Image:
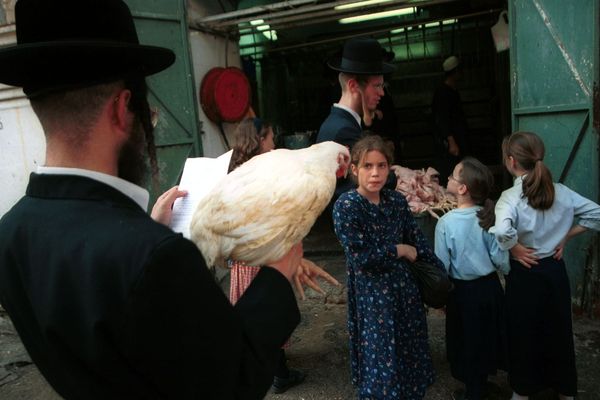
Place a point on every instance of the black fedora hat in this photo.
(65, 44)
(361, 56)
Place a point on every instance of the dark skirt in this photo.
(540, 330)
(475, 332)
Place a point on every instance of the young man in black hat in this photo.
(361, 69)
(109, 303)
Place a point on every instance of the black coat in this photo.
(340, 127)
(112, 305)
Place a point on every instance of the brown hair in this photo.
(479, 181)
(248, 136)
(361, 79)
(527, 149)
(76, 110)
(370, 143)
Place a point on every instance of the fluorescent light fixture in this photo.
(271, 35)
(378, 15)
(449, 21)
(257, 22)
(432, 24)
(263, 27)
(399, 30)
(360, 4)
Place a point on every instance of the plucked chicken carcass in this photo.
(261, 209)
(423, 191)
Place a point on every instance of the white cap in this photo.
(450, 63)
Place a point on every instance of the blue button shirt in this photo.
(467, 251)
(517, 221)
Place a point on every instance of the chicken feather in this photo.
(260, 210)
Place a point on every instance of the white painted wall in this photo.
(22, 145)
(22, 142)
(209, 51)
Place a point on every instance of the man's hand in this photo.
(307, 275)
(163, 208)
(407, 251)
(453, 148)
(290, 262)
(524, 255)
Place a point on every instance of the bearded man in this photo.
(109, 303)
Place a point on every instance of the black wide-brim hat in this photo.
(361, 56)
(67, 44)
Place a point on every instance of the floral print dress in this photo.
(386, 317)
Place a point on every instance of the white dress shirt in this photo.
(351, 111)
(135, 192)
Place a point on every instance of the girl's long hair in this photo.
(248, 137)
(368, 143)
(528, 151)
(479, 181)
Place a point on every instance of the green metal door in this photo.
(163, 23)
(554, 80)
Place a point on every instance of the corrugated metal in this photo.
(554, 70)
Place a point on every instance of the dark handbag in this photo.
(433, 283)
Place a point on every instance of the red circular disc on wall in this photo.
(232, 94)
(207, 94)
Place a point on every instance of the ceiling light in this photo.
(263, 27)
(271, 35)
(378, 15)
(360, 4)
(257, 22)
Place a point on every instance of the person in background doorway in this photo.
(449, 122)
(475, 333)
(534, 220)
(109, 303)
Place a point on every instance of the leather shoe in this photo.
(294, 378)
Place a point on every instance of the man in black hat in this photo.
(361, 69)
(109, 303)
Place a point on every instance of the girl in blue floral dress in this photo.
(386, 317)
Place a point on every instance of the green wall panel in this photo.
(163, 23)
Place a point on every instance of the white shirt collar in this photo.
(351, 111)
(135, 192)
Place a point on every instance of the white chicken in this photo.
(261, 209)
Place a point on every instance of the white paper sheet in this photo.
(199, 176)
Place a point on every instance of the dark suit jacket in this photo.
(340, 127)
(111, 305)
